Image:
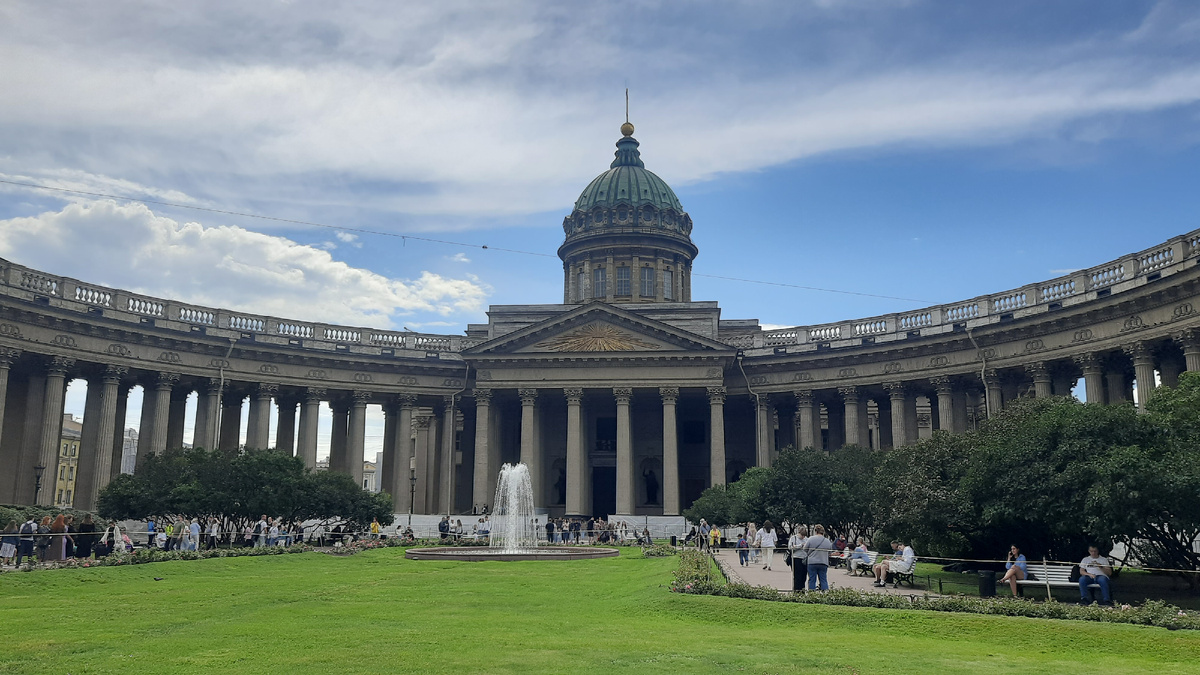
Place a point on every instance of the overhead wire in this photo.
(432, 240)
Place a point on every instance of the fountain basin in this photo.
(482, 553)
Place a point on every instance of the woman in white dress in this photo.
(766, 541)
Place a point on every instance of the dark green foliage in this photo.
(239, 487)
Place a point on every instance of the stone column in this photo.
(207, 404)
(1093, 377)
(310, 409)
(52, 417)
(450, 467)
(625, 495)
(7, 356)
(258, 427)
(1042, 383)
(1189, 340)
(422, 424)
(897, 397)
(402, 470)
(995, 394)
(808, 421)
(1143, 369)
(356, 435)
(716, 442)
(835, 413)
(156, 410)
(577, 477)
(386, 471)
(176, 417)
(108, 429)
(945, 404)
(1169, 368)
(118, 453)
(337, 436)
(85, 465)
(285, 428)
(856, 416)
(764, 430)
(231, 420)
(531, 452)
(1116, 386)
(481, 490)
(670, 485)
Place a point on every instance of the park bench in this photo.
(1050, 576)
(864, 568)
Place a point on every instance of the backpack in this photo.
(28, 528)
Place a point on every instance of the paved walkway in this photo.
(780, 575)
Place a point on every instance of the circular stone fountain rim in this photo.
(481, 553)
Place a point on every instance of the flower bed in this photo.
(694, 576)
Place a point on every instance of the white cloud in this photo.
(460, 258)
(127, 246)
(455, 109)
(349, 238)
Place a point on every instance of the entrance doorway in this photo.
(604, 490)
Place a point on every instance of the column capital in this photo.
(574, 396)
(8, 355)
(991, 377)
(360, 398)
(716, 395)
(449, 402)
(113, 374)
(1140, 352)
(482, 397)
(803, 397)
(266, 390)
(59, 365)
(165, 380)
(314, 394)
(1188, 338)
(211, 385)
(422, 421)
(528, 396)
(623, 395)
(850, 393)
(669, 394)
(1038, 371)
(1088, 362)
(944, 385)
(896, 390)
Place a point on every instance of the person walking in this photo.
(743, 549)
(26, 535)
(818, 547)
(8, 543)
(214, 532)
(86, 538)
(752, 537)
(799, 557)
(766, 542)
(43, 540)
(194, 535)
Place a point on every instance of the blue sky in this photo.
(926, 150)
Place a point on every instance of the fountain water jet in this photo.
(513, 527)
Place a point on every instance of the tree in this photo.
(238, 487)
(833, 489)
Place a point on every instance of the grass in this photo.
(378, 612)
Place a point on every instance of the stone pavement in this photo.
(780, 576)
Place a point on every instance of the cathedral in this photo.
(629, 398)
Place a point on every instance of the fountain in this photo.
(514, 531)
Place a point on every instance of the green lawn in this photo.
(377, 612)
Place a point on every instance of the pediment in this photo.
(598, 329)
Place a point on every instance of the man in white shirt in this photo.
(1095, 569)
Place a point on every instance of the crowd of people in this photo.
(561, 531)
(59, 538)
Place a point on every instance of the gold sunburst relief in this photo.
(596, 337)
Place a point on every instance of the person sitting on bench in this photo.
(1095, 569)
(858, 557)
(1015, 569)
(901, 563)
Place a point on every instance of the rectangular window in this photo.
(60, 496)
(599, 282)
(647, 290)
(68, 497)
(71, 474)
(62, 473)
(668, 285)
(623, 285)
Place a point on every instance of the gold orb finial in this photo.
(627, 129)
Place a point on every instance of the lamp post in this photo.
(412, 493)
(37, 482)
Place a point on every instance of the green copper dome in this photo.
(628, 182)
